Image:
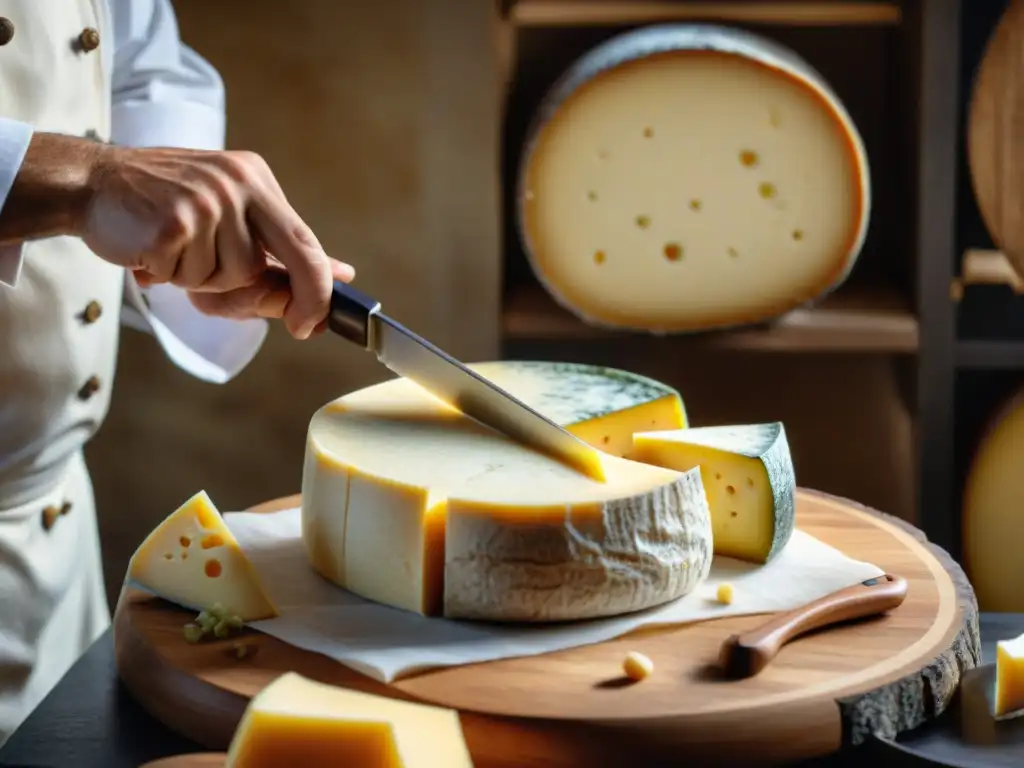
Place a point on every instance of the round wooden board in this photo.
(995, 143)
(823, 692)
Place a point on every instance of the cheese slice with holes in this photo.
(192, 559)
(748, 477)
(296, 721)
(688, 177)
(602, 406)
(409, 503)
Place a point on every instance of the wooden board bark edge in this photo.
(910, 701)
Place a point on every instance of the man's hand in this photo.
(214, 223)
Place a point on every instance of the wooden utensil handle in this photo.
(351, 310)
(747, 654)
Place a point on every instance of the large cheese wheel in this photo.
(993, 512)
(687, 177)
(408, 503)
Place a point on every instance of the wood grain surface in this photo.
(995, 142)
(195, 760)
(824, 692)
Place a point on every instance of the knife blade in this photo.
(357, 318)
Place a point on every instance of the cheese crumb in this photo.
(725, 593)
(637, 666)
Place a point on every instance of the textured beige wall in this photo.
(381, 121)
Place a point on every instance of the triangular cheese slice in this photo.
(296, 721)
(192, 559)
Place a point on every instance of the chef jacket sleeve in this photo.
(165, 94)
(14, 140)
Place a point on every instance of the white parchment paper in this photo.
(386, 643)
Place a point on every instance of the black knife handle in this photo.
(350, 315)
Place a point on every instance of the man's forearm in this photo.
(51, 191)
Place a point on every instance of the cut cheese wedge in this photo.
(602, 406)
(409, 503)
(748, 477)
(688, 177)
(192, 559)
(296, 722)
(1009, 695)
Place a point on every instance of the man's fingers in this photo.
(288, 238)
(268, 297)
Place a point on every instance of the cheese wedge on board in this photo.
(748, 477)
(409, 503)
(602, 406)
(993, 523)
(688, 177)
(1009, 695)
(192, 559)
(296, 722)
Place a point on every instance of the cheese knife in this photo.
(745, 655)
(357, 318)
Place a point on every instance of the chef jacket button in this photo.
(92, 312)
(92, 134)
(90, 388)
(6, 31)
(50, 515)
(65, 508)
(89, 39)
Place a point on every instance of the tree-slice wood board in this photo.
(995, 141)
(822, 693)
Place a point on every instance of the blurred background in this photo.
(395, 127)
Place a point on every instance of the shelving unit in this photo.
(858, 320)
(896, 65)
(548, 13)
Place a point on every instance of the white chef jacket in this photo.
(141, 87)
(163, 94)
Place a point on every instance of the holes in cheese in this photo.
(408, 503)
(222, 574)
(748, 477)
(1009, 693)
(295, 721)
(746, 133)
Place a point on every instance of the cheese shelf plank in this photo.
(824, 692)
(851, 320)
(547, 13)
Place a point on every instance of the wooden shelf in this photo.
(554, 13)
(990, 355)
(851, 320)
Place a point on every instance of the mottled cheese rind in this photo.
(295, 721)
(993, 525)
(192, 559)
(396, 484)
(602, 406)
(748, 477)
(561, 563)
(1009, 693)
(680, 178)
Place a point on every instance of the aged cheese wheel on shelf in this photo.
(993, 512)
(409, 503)
(691, 177)
(748, 476)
